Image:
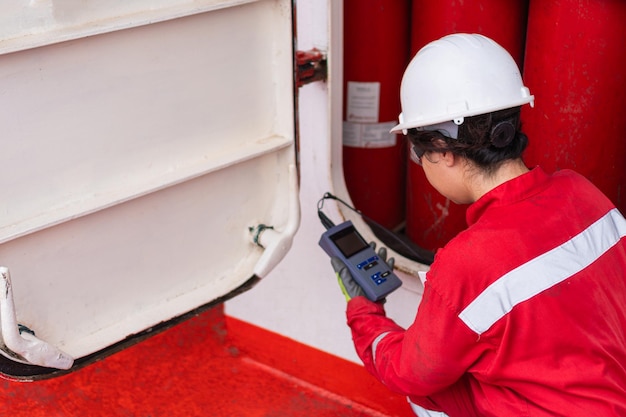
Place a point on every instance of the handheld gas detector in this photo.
(367, 268)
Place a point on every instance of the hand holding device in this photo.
(360, 270)
(349, 287)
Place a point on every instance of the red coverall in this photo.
(523, 313)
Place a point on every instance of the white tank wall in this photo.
(300, 299)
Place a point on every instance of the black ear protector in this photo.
(502, 134)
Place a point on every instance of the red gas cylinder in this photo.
(575, 67)
(376, 52)
(432, 220)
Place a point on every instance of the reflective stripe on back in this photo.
(543, 272)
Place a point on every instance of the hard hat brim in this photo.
(410, 124)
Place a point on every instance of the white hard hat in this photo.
(458, 76)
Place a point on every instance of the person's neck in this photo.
(483, 183)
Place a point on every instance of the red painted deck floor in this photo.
(210, 365)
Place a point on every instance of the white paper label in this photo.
(363, 102)
(368, 135)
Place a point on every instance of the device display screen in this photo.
(349, 241)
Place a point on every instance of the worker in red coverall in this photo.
(524, 312)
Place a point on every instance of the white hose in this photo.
(33, 350)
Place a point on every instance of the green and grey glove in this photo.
(349, 287)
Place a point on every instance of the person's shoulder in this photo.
(569, 175)
(579, 185)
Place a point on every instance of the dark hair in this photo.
(487, 139)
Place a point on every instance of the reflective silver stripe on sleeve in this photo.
(543, 272)
(423, 412)
(375, 344)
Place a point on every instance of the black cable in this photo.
(323, 217)
(325, 220)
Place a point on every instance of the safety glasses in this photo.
(416, 153)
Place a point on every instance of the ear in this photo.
(449, 158)
(446, 156)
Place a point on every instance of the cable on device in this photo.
(414, 252)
